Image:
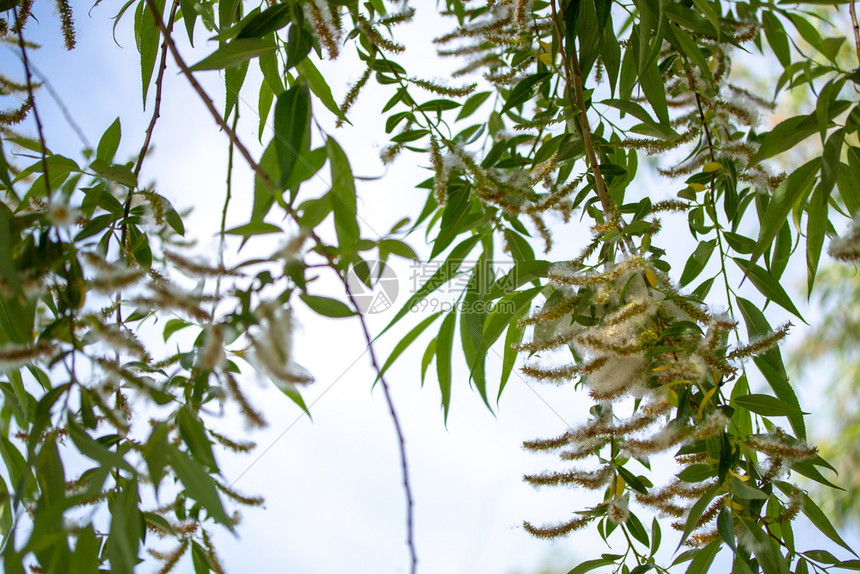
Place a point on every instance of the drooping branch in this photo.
(207, 101)
(159, 85)
(401, 443)
(573, 77)
(29, 81)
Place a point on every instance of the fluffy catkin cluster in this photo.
(635, 341)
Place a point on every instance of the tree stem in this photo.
(573, 75)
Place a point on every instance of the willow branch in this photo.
(573, 75)
(404, 468)
(210, 105)
(159, 83)
(29, 79)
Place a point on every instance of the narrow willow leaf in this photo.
(193, 433)
(343, 200)
(198, 485)
(770, 362)
(776, 37)
(726, 527)
(696, 513)
(642, 115)
(109, 142)
(292, 127)
(822, 523)
(267, 21)
(125, 529)
(404, 343)
(525, 89)
(234, 53)
(444, 344)
(791, 132)
(449, 269)
(767, 406)
(703, 559)
(471, 105)
(148, 37)
(697, 261)
(768, 286)
(327, 306)
(318, 85)
(784, 199)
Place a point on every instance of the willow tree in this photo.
(553, 105)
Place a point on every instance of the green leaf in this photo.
(642, 115)
(767, 406)
(254, 228)
(194, 435)
(199, 559)
(444, 344)
(768, 286)
(148, 36)
(449, 269)
(109, 142)
(318, 86)
(521, 273)
(703, 559)
(343, 202)
(770, 362)
(327, 306)
(85, 559)
(792, 131)
(651, 81)
(822, 523)
(696, 513)
(455, 218)
(525, 89)
(471, 105)
(697, 472)
(590, 565)
(292, 127)
(198, 485)
(509, 356)
(125, 530)
(267, 21)
(94, 449)
(726, 527)
(743, 490)
(784, 199)
(404, 343)
(776, 37)
(234, 53)
(697, 261)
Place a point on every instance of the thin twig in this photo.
(410, 535)
(573, 76)
(159, 82)
(264, 177)
(210, 105)
(29, 79)
(853, 11)
(222, 231)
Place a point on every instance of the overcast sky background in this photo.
(333, 492)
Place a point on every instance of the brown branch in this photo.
(28, 76)
(573, 77)
(404, 468)
(210, 105)
(852, 9)
(159, 83)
